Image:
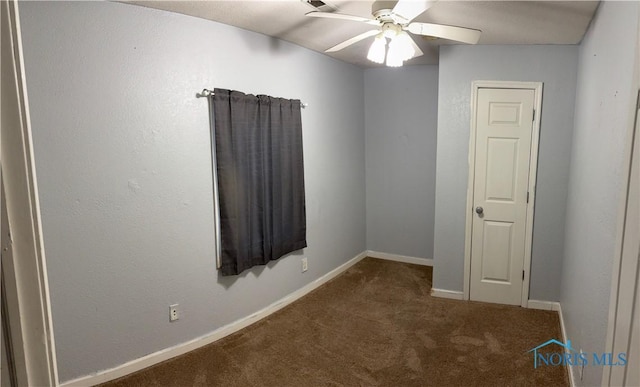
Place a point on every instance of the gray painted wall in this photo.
(606, 94)
(401, 107)
(124, 171)
(556, 66)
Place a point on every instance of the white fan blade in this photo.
(460, 34)
(416, 48)
(410, 9)
(353, 40)
(331, 15)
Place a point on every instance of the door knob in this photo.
(479, 210)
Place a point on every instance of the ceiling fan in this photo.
(393, 19)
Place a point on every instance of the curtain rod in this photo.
(209, 93)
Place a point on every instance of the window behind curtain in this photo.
(260, 175)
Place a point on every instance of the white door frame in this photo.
(621, 300)
(533, 166)
(26, 272)
(624, 283)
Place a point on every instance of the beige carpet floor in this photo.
(375, 325)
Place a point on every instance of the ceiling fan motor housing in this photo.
(382, 11)
(390, 29)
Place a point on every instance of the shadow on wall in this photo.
(275, 45)
(228, 281)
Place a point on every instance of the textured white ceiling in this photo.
(501, 22)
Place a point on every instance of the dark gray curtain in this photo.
(260, 172)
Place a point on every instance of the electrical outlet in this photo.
(173, 312)
(305, 264)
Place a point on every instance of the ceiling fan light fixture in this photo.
(404, 45)
(377, 50)
(394, 56)
(400, 49)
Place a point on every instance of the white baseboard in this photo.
(572, 381)
(400, 258)
(450, 294)
(180, 349)
(543, 305)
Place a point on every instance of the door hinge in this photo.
(523, 275)
(527, 196)
(534, 115)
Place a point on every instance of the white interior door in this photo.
(503, 133)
